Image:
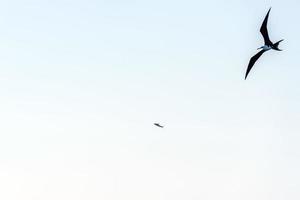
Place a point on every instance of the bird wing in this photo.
(252, 61)
(264, 30)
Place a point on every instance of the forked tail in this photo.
(276, 45)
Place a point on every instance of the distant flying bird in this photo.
(158, 125)
(268, 44)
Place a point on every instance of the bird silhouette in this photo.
(158, 125)
(268, 44)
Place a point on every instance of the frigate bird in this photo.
(268, 44)
(158, 125)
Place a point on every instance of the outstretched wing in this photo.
(252, 61)
(264, 30)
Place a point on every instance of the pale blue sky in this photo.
(82, 83)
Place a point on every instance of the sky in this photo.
(82, 83)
